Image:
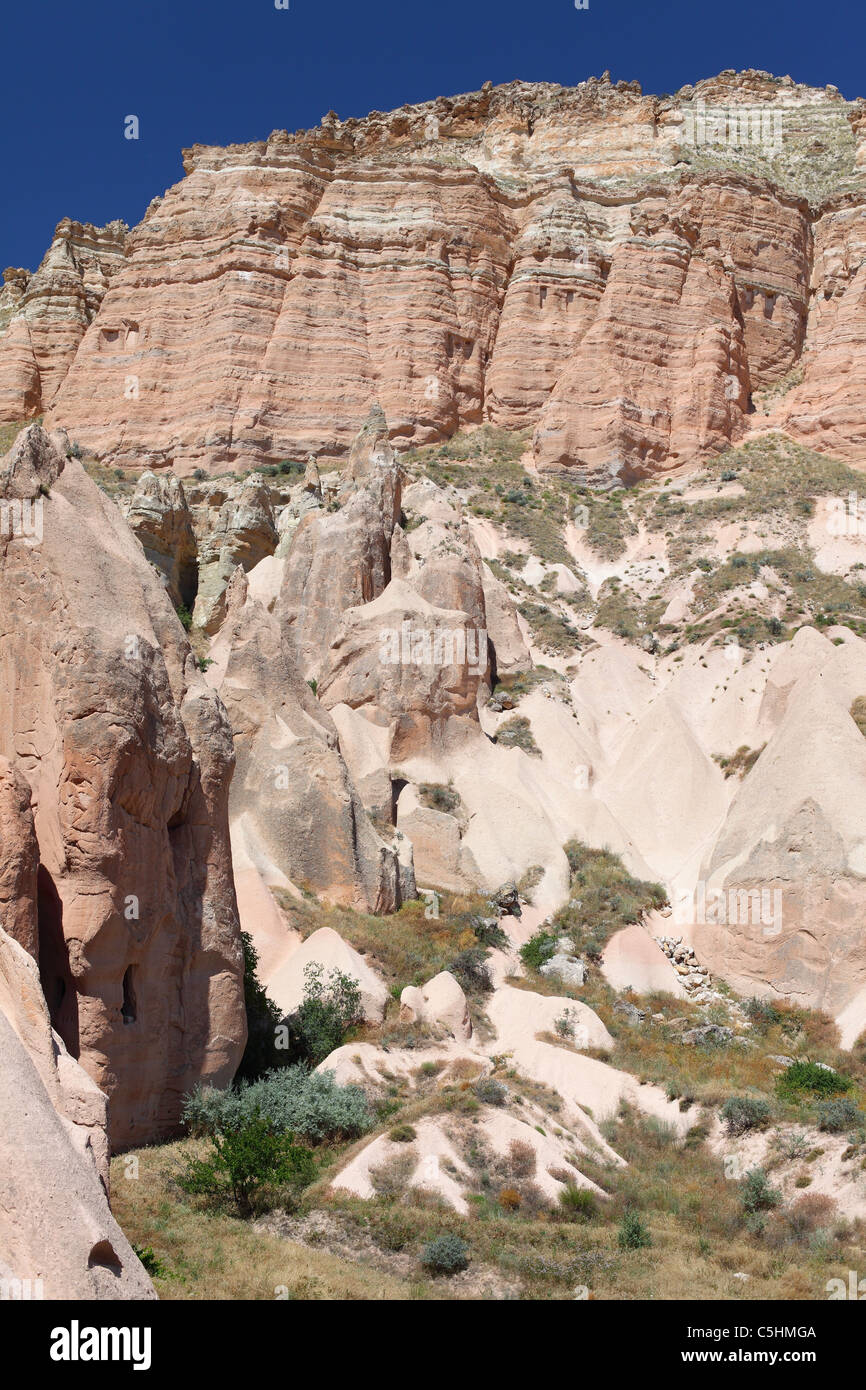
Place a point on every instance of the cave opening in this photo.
(129, 1008)
(55, 973)
(397, 785)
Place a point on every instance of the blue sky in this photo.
(233, 70)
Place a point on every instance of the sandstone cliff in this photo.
(43, 317)
(600, 264)
(128, 755)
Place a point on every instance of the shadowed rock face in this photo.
(579, 260)
(55, 1223)
(159, 515)
(128, 755)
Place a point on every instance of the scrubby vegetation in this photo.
(516, 732)
(604, 897)
(253, 1163)
(293, 1100)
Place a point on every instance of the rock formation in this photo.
(607, 267)
(57, 1236)
(43, 317)
(128, 755)
(159, 515)
(296, 816)
(244, 533)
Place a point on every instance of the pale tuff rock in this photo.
(128, 755)
(327, 949)
(441, 1001)
(55, 1223)
(338, 560)
(441, 857)
(293, 802)
(566, 970)
(511, 654)
(159, 515)
(437, 1166)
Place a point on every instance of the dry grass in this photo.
(211, 1255)
(407, 947)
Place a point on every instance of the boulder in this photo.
(441, 1001)
(566, 970)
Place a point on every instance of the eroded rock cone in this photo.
(129, 756)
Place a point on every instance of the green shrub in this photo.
(835, 1116)
(538, 950)
(741, 1113)
(403, 1134)
(152, 1263)
(489, 933)
(604, 898)
(809, 1078)
(757, 1195)
(437, 797)
(472, 973)
(577, 1203)
(445, 1255)
(330, 1007)
(761, 1013)
(292, 1099)
(633, 1234)
(248, 1161)
(517, 733)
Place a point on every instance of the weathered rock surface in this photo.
(55, 1223)
(128, 755)
(293, 802)
(159, 515)
(43, 317)
(244, 534)
(57, 1234)
(441, 1001)
(589, 261)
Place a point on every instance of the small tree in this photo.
(331, 1006)
(263, 1018)
(757, 1193)
(245, 1161)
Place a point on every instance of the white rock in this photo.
(440, 1001)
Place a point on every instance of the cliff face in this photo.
(128, 756)
(43, 317)
(618, 271)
